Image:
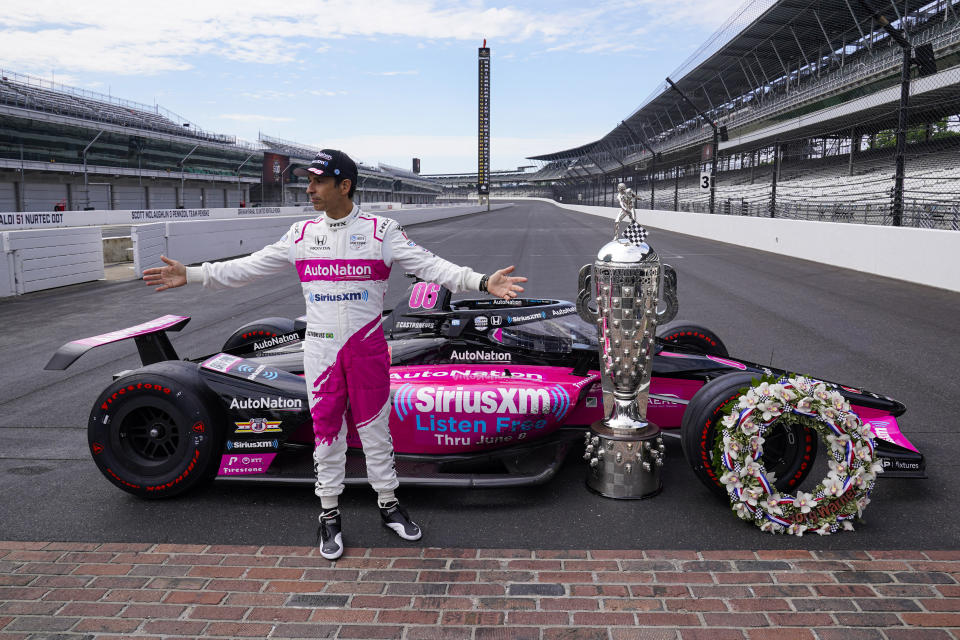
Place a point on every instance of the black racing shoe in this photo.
(395, 517)
(329, 536)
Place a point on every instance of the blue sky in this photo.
(385, 81)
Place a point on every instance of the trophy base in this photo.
(624, 463)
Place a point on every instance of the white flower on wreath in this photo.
(829, 414)
(731, 480)
(741, 510)
(756, 441)
(752, 496)
(839, 402)
(731, 446)
(862, 452)
(852, 423)
(748, 400)
(771, 505)
(797, 529)
(749, 467)
(865, 430)
(876, 468)
(748, 426)
(838, 443)
(838, 468)
(763, 389)
(804, 501)
(730, 420)
(832, 486)
(801, 383)
(771, 527)
(847, 525)
(771, 409)
(824, 529)
(820, 393)
(805, 404)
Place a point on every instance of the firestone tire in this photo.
(151, 433)
(262, 329)
(788, 452)
(693, 336)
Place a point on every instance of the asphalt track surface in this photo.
(884, 335)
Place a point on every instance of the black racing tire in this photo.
(262, 329)
(694, 337)
(155, 433)
(789, 452)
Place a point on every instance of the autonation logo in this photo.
(338, 270)
(352, 296)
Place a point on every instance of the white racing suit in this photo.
(344, 266)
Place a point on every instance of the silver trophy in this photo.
(625, 450)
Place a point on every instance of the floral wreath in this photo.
(838, 499)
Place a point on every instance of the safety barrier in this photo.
(37, 259)
(43, 259)
(921, 256)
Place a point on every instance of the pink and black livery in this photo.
(483, 393)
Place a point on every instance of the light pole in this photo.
(183, 177)
(239, 190)
(928, 66)
(86, 181)
(718, 134)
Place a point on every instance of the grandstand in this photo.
(503, 184)
(71, 149)
(805, 98)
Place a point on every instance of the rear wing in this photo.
(151, 338)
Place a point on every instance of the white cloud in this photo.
(253, 117)
(137, 38)
(393, 73)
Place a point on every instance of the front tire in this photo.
(789, 451)
(152, 435)
(692, 337)
(258, 330)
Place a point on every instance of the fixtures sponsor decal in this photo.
(258, 425)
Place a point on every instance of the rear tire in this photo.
(258, 330)
(152, 435)
(788, 452)
(693, 337)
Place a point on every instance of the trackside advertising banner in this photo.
(98, 218)
(53, 220)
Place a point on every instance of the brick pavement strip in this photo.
(89, 590)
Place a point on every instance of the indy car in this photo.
(484, 393)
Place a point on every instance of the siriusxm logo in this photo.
(352, 296)
(511, 401)
(252, 444)
(530, 316)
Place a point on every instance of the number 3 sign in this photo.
(706, 182)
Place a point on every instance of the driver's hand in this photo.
(169, 277)
(505, 286)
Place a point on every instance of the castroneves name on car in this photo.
(265, 402)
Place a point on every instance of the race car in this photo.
(484, 393)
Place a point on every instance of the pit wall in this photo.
(922, 256)
(44, 258)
